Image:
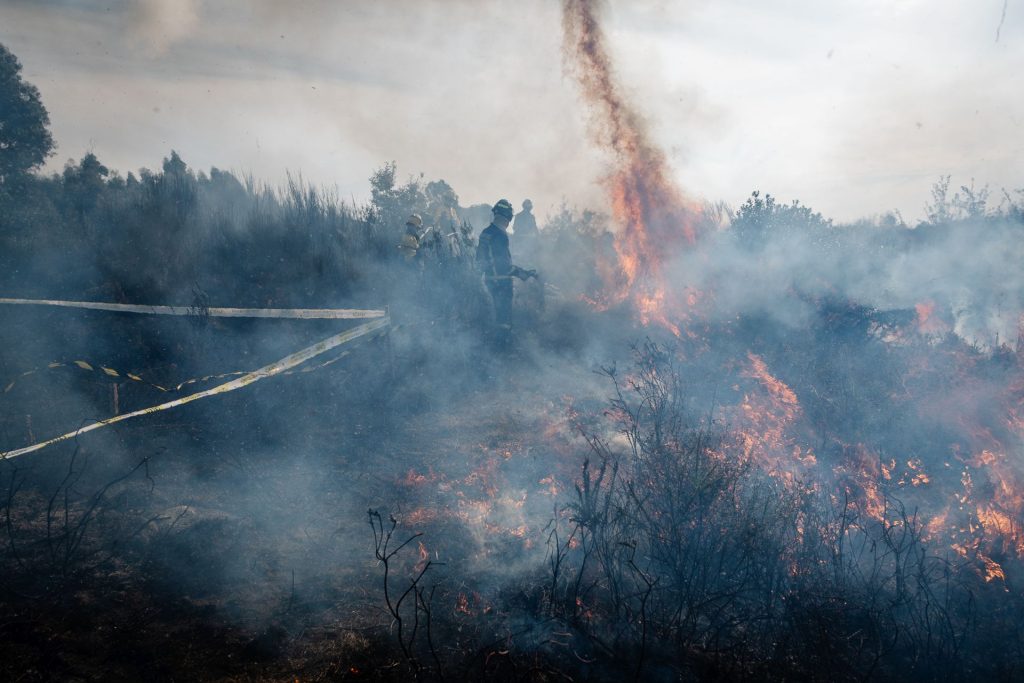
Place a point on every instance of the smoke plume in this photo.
(652, 215)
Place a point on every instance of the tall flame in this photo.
(653, 217)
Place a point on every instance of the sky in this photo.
(853, 107)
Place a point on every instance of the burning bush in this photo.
(681, 554)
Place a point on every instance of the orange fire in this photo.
(419, 517)
(654, 219)
(766, 421)
(424, 557)
(413, 478)
(999, 517)
(928, 323)
(462, 604)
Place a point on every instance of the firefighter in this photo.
(526, 239)
(524, 229)
(494, 259)
(410, 243)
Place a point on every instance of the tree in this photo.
(391, 203)
(83, 184)
(25, 139)
(972, 204)
(762, 219)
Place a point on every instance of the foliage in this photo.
(761, 219)
(969, 203)
(579, 248)
(681, 558)
(25, 141)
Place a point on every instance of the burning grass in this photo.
(775, 504)
(808, 474)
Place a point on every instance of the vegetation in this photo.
(25, 140)
(220, 544)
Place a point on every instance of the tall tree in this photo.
(25, 139)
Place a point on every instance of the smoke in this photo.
(277, 479)
(670, 258)
(157, 26)
(652, 216)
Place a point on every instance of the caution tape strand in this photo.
(121, 374)
(215, 312)
(276, 368)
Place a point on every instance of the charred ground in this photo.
(817, 479)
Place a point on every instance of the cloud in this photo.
(156, 25)
(789, 100)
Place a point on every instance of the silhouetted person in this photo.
(524, 230)
(494, 259)
(526, 240)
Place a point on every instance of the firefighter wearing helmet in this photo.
(409, 246)
(494, 259)
(525, 233)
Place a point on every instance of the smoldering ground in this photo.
(265, 501)
(250, 514)
(803, 467)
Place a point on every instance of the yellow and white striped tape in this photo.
(121, 374)
(300, 313)
(93, 367)
(276, 368)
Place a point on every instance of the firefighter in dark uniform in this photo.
(524, 227)
(494, 259)
(526, 240)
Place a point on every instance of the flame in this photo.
(412, 478)
(766, 421)
(993, 570)
(998, 518)
(550, 484)
(654, 219)
(462, 604)
(937, 525)
(424, 558)
(420, 516)
(927, 322)
(872, 499)
(990, 570)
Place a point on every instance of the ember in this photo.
(653, 439)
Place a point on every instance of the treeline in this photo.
(157, 236)
(161, 235)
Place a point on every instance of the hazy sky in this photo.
(855, 107)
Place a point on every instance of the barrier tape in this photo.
(111, 372)
(275, 368)
(300, 313)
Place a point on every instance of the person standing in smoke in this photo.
(409, 246)
(494, 259)
(526, 238)
(524, 230)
